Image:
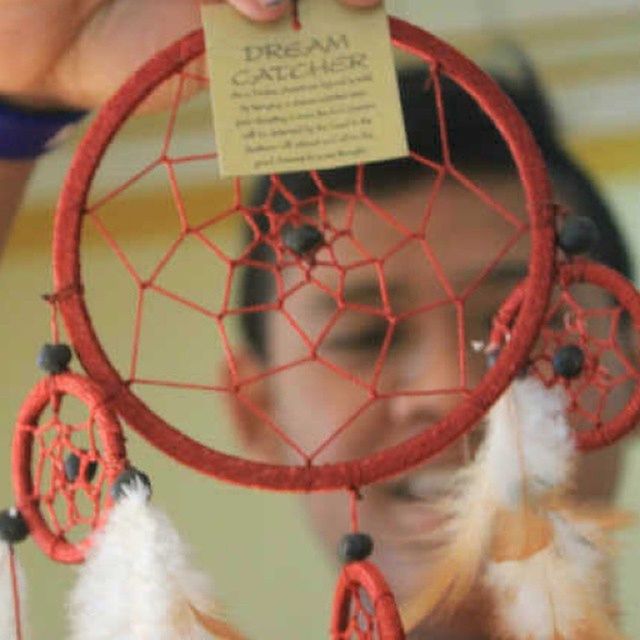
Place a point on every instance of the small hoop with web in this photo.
(63, 469)
(364, 606)
(586, 344)
(67, 451)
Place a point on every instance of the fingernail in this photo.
(271, 3)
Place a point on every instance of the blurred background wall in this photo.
(268, 571)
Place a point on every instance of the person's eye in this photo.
(364, 339)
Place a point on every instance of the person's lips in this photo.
(427, 485)
(416, 502)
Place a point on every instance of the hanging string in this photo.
(295, 15)
(51, 300)
(354, 497)
(16, 594)
(54, 327)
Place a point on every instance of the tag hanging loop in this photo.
(295, 15)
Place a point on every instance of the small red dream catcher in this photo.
(70, 467)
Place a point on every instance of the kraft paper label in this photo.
(285, 100)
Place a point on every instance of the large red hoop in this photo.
(383, 464)
(627, 299)
(109, 455)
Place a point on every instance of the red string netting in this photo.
(136, 386)
(596, 309)
(68, 449)
(364, 607)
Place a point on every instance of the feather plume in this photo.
(513, 534)
(492, 482)
(137, 583)
(8, 626)
(470, 513)
(559, 592)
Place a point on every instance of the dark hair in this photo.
(474, 144)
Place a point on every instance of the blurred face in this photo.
(325, 406)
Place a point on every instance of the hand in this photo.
(76, 53)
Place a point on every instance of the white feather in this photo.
(553, 592)
(494, 481)
(535, 602)
(511, 536)
(573, 541)
(528, 428)
(7, 605)
(137, 583)
(580, 543)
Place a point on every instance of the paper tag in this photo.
(289, 100)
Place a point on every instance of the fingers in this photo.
(266, 10)
(261, 10)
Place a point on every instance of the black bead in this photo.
(72, 468)
(54, 358)
(302, 240)
(355, 546)
(127, 479)
(579, 234)
(13, 527)
(568, 361)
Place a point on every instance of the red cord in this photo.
(295, 13)
(16, 592)
(354, 497)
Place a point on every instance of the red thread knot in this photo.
(74, 289)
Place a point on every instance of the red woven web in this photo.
(366, 236)
(597, 310)
(333, 213)
(364, 608)
(67, 451)
(361, 623)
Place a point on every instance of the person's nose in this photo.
(429, 369)
(430, 382)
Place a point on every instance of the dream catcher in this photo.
(78, 495)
